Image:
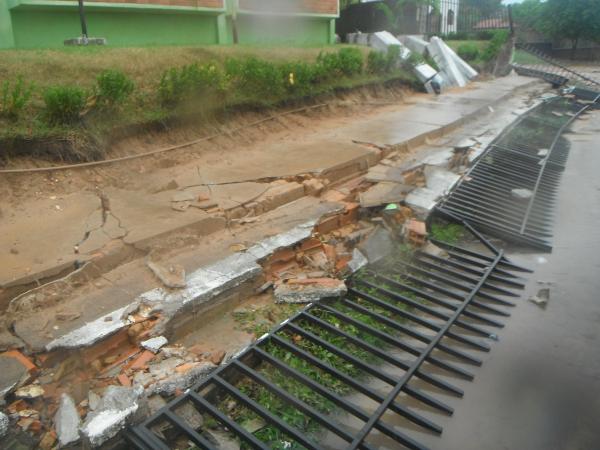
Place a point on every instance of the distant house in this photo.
(47, 23)
(492, 23)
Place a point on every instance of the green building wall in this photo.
(255, 29)
(119, 28)
(46, 24)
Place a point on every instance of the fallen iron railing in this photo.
(509, 191)
(551, 70)
(401, 320)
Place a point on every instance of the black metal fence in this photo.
(436, 17)
(510, 191)
(446, 17)
(340, 372)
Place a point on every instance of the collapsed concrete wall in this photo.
(454, 71)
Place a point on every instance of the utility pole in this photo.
(84, 39)
(84, 31)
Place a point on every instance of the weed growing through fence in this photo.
(450, 233)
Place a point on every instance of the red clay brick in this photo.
(124, 380)
(141, 361)
(328, 225)
(350, 215)
(24, 360)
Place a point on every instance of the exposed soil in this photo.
(238, 136)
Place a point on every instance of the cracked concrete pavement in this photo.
(39, 236)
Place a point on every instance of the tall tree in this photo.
(574, 20)
(486, 8)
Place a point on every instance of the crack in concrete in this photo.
(105, 212)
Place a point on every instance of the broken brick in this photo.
(108, 346)
(124, 380)
(35, 427)
(328, 225)
(68, 366)
(320, 281)
(141, 361)
(283, 255)
(350, 214)
(330, 252)
(25, 423)
(342, 263)
(52, 390)
(135, 330)
(313, 187)
(96, 365)
(197, 350)
(278, 269)
(334, 196)
(310, 244)
(217, 357)
(48, 441)
(418, 227)
(130, 353)
(416, 231)
(31, 368)
(17, 406)
(185, 367)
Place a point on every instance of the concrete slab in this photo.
(445, 61)
(439, 182)
(35, 249)
(414, 43)
(12, 372)
(30, 246)
(384, 193)
(113, 295)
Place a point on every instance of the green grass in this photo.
(145, 66)
(481, 45)
(451, 233)
(522, 57)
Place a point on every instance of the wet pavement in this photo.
(539, 387)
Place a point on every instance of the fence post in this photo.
(84, 31)
(510, 20)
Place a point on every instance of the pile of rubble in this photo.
(453, 70)
(90, 393)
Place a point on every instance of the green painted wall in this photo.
(47, 25)
(47, 28)
(254, 29)
(6, 31)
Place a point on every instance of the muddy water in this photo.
(539, 387)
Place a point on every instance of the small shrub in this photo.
(64, 104)
(113, 88)
(351, 61)
(468, 51)
(381, 63)
(376, 62)
(255, 78)
(13, 99)
(299, 78)
(492, 50)
(191, 82)
(345, 62)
